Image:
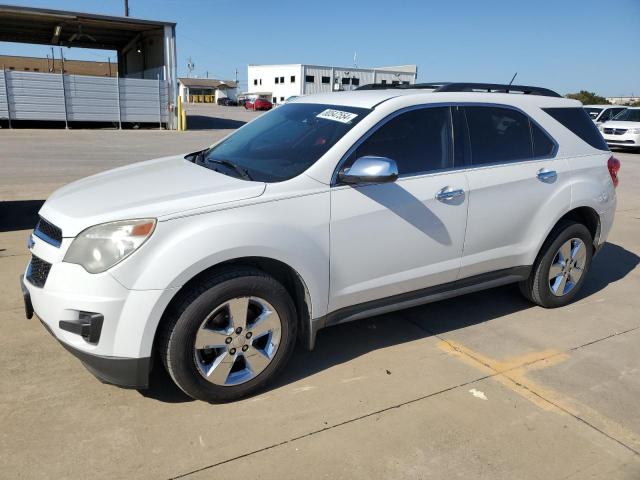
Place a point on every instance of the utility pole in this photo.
(236, 77)
(126, 8)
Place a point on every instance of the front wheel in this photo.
(561, 267)
(230, 337)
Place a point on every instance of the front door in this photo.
(394, 238)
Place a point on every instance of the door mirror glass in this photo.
(370, 169)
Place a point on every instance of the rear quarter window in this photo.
(578, 121)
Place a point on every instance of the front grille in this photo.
(615, 131)
(48, 232)
(38, 271)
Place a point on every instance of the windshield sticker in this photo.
(337, 115)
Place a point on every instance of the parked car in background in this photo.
(227, 102)
(603, 113)
(258, 104)
(214, 264)
(623, 130)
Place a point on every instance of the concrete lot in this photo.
(481, 386)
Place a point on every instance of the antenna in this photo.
(355, 59)
(513, 78)
(190, 66)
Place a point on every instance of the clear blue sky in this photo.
(566, 45)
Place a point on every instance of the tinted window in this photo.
(593, 112)
(346, 80)
(629, 115)
(355, 81)
(498, 135)
(577, 120)
(543, 146)
(284, 142)
(418, 140)
(309, 78)
(326, 80)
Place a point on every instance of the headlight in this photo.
(601, 127)
(635, 130)
(100, 247)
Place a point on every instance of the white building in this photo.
(623, 100)
(279, 82)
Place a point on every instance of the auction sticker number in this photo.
(337, 115)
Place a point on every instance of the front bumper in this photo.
(108, 327)
(625, 140)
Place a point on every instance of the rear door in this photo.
(513, 175)
(394, 238)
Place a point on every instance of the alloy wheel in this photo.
(567, 267)
(237, 341)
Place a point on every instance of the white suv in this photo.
(330, 208)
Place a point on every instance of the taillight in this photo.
(614, 165)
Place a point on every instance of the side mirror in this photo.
(370, 169)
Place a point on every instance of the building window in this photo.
(282, 99)
(281, 79)
(36, 69)
(326, 80)
(26, 69)
(260, 81)
(405, 83)
(384, 82)
(310, 78)
(12, 68)
(255, 81)
(395, 82)
(293, 79)
(277, 80)
(346, 81)
(355, 81)
(274, 100)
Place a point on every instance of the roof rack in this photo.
(465, 87)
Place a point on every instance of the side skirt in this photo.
(418, 297)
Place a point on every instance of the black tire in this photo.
(536, 288)
(177, 337)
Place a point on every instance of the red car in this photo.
(258, 104)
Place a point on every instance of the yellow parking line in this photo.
(512, 373)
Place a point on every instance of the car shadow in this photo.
(343, 343)
(204, 122)
(19, 214)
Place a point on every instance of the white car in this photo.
(624, 130)
(328, 209)
(603, 113)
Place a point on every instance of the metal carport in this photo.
(146, 51)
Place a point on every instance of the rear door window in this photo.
(498, 135)
(543, 146)
(579, 122)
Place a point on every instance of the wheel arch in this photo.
(290, 279)
(585, 215)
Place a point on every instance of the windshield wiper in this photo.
(237, 168)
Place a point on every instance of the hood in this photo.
(147, 189)
(620, 124)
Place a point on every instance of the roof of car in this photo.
(604, 106)
(372, 98)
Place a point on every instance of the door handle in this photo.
(447, 193)
(547, 175)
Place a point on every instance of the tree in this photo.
(588, 98)
(636, 104)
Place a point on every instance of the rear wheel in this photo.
(561, 267)
(230, 337)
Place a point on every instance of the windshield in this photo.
(629, 115)
(283, 143)
(593, 112)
